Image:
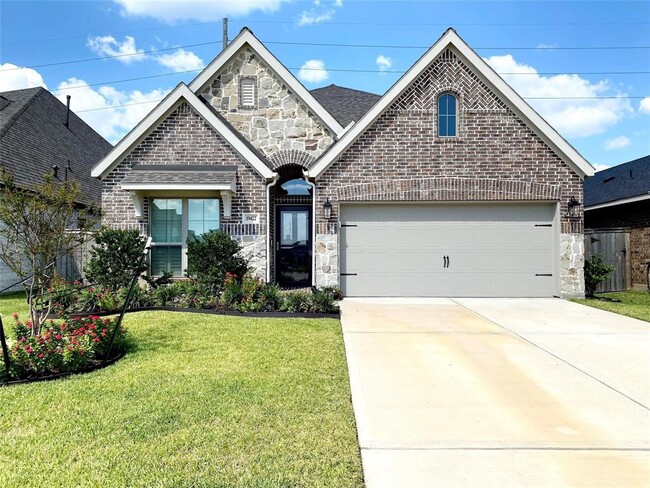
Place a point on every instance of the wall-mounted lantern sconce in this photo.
(327, 209)
(574, 208)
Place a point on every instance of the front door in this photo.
(293, 245)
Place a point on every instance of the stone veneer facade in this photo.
(495, 157)
(278, 121)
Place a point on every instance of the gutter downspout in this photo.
(274, 180)
(305, 173)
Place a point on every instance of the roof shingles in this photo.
(626, 180)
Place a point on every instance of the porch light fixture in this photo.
(327, 209)
(574, 208)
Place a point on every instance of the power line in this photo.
(389, 46)
(290, 43)
(343, 70)
(525, 98)
(335, 23)
(139, 53)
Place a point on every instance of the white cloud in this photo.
(203, 10)
(113, 122)
(572, 118)
(319, 13)
(617, 143)
(600, 167)
(383, 62)
(313, 71)
(644, 106)
(109, 46)
(12, 78)
(180, 60)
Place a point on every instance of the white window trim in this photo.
(437, 121)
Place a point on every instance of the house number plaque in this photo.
(250, 218)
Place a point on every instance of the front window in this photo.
(172, 221)
(447, 115)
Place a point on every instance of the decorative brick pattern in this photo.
(494, 155)
(639, 255)
(279, 121)
(291, 156)
(447, 189)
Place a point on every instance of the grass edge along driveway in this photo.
(635, 304)
(198, 401)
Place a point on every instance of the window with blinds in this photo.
(247, 92)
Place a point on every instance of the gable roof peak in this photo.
(487, 75)
(246, 37)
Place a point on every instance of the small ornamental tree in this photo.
(212, 255)
(37, 226)
(596, 271)
(115, 257)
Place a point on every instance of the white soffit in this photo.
(247, 37)
(170, 103)
(622, 201)
(450, 39)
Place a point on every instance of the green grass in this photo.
(632, 303)
(198, 401)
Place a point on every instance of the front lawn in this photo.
(632, 303)
(198, 401)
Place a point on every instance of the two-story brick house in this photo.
(450, 184)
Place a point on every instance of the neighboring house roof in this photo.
(246, 37)
(182, 94)
(517, 104)
(625, 183)
(33, 138)
(345, 104)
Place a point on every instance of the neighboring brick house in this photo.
(618, 200)
(39, 136)
(447, 185)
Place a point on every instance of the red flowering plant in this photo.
(62, 346)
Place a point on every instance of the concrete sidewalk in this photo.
(498, 393)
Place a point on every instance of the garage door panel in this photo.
(493, 250)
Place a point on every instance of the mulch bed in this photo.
(208, 311)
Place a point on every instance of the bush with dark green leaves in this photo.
(211, 256)
(115, 257)
(596, 271)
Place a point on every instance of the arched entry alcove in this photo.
(291, 228)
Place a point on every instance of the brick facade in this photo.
(494, 155)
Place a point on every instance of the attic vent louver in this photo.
(247, 90)
(607, 180)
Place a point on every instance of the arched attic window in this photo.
(447, 115)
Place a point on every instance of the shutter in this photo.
(247, 89)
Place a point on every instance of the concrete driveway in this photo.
(498, 393)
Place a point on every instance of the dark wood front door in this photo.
(293, 245)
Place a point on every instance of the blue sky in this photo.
(533, 41)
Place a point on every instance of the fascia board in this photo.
(622, 201)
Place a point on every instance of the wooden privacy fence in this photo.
(614, 246)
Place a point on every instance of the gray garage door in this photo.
(453, 250)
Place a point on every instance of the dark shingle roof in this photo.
(177, 173)
(33, 138)
(345, 104)
(623, 181)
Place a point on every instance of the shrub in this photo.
(71, 345)
(333, 291)
(114, 258)
(141, 297)
(211, 256)
(167, 295)
(158, 281)
(323, 302)
(297, 301)
(596, 271)
(93, 299)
